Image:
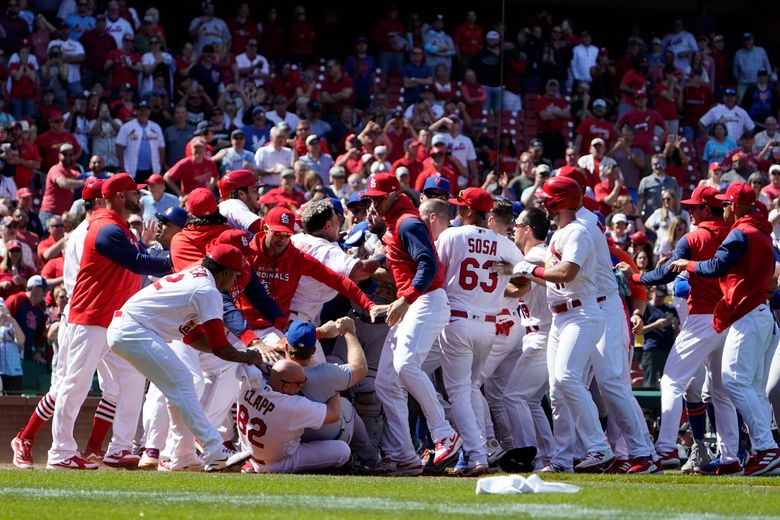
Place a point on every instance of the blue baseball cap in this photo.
(178, 216)
(517, 208)
(358, 198)
(336, 204)
(302, 334)
(357, 234)
(437, 183)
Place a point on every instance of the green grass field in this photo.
(115, 494)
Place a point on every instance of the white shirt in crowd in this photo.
(269, 159)
(131, 135)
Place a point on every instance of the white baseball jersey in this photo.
(311, 295)
(175, 304)
(572, 244)
(238, 214)
(74, 248)
(605, 276)
(533, 306)
(467, 254)
(271, 423)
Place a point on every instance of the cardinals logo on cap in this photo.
(372, 184)
(285, 218)
(244, 241)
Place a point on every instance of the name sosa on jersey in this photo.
(468, 278)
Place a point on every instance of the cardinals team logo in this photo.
(372, 184)
(244, 241)
(285, 218)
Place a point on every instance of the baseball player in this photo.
(475, 293)
(744, 265)
(109, 274)
(325, 379)
(698, 343)
(184, 305)
(321, 229)
(238, 191)
(272, 418)
(611, 366)
(23, 442)
(529, 380)
(416, 318)
(577, 324)
(280, 266)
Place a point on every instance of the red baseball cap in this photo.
(715, 166)
(704, 195)
(281, 220)
(93, 188)
(23, 192)
(155, 178)
(201, 202)
(738, 156)
(119, 183)
(639, 238)
(227, 256)
(234, 180)
(381, 184)
(739, 194)
(237, 238)
(55, 114)
(13, 244)
(474, 198)
(641, 93)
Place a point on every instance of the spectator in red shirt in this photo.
(243, 28)
(647, 124)
(473, 94)
(409, 161)
(337, 90)
(666, 99)
(389, 37)
(634, 80)
(123, 65)
(49, 143)
(468, 40)
(611, 186)
(28, 158)
(97, 44)
(193, 172)
(61, 181)
(124, 107)
(302, 37)
(398, 132)
(14, 272)
(595, 126)
(286, 82)
(553, 112)
(24, 83)
(697, 100)
(52, 246)
(438, 167)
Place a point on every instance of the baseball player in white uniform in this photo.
(475, 292)
(611, 366)
(577, 324)
(272, 418)
(529, 379)
(184, 305)
(238, 191)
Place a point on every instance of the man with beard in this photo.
(238, 191)
(109, 275)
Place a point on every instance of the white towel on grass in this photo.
(515, 484)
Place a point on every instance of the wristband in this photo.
(538, 272)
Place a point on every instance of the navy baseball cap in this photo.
(357, 234)
(178, 216)
(358, 198)
(302, 334)
(337, 205)
(437, 183)
(729, 92)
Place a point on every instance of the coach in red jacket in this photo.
(744, 265)
(416, 319)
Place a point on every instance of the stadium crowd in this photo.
(253, 135)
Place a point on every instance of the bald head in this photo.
(286, 377)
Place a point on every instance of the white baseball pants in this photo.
(465, 345)
(309, 456)
(80, 353)
(572, 342)
(613, 374)
(405, 349)
(696, 345)
(150, 355)
(122, 384)
(747, 356)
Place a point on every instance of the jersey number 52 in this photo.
(469, 277)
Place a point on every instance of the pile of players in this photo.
(476, 320)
